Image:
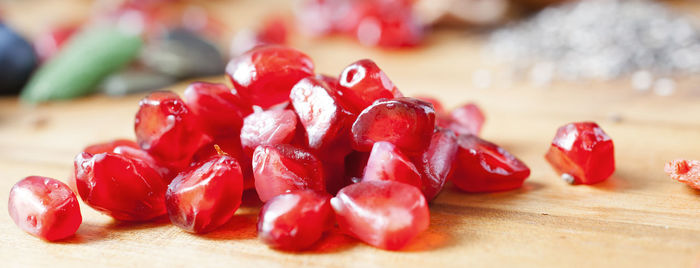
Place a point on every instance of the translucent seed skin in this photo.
(584, 151)
(283, 168)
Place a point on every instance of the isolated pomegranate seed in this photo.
(362, 83)
(407, 123)
(219, 109)
(267, 128)
(388, 163)
(167, 129)
(466, 119)
(482, 166)
(284, 168)
(685, 171)
(45, 208)
(437, 105)
(384, 214)
(125, 188)
(436, 164)
(582, 153)
(266, 74)
(205, 197)
(130, 149)
(295, 221)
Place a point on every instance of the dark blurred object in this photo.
(135, 81)
(183, 54)
(17, 61)
(50, 42)
(273, 31)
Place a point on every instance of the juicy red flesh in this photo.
(219, 109)
(685, 171)
(466, 119)
(268, 128)
(266, 74)
(388, 163)
(129, 149)
(232, 147)
(295, 221)
(405, 122)
(482, 166)
(205, 197)
(384, 214)
(582, 151)
(436, 164)
(45, 208)
(284, 168)
(273, 31)
(124, 188)
(362, 83)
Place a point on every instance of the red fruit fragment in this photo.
(268, 128)
(125, 188)
(206, 196)
(167, 129)
(266, 74)
(407, 123)
(436, 164)
(582, 153)
(387, 163)
(219, 109)
(395, 27)
(296, 220)
(437, 105)
(284, 168)
(466, 119)
(685, 171)
(362, 83)
(273, 31)
(45, 208)
(482, 166)
(384, 214)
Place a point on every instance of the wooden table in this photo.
(638, 218)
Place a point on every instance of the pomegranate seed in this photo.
(395, 27)
(436, 164)
(125, 188)
(387, 163)
(206, 196)
(268, 128)
(405, 122)
(685, 171)
(363, 82)
(273, 31)
(130, 149)
(45, 208)
(283, 168)
(266, 74)
(437, 105)
(167, 129)
(219, 109)
(467, 119)
(296, 220)
(582, 153)
(232, 147)
(384, 214)
(482, 166)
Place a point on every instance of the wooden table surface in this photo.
(638, 218)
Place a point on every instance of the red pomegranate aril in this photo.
(284, 168)
(268, 128)
(685, 171)
(482, 166)
(295, 221)
(266, 74)
(388, 163)
(582, 153)
(219, 109)
(167, 129)
(362, 83)
(45, 208)
(232, 147)
(407, 123)
(436, 164)
(384, 214)
(273, 31)
(205, 197)
(389, 28)
(130, 149)
(124, 188)
(437, 105)
(466, 119)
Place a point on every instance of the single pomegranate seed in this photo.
(384, 214)
(363, 82)
(205, 197)
(130, 149)
(436, 164)
(268, 128)
(387, 163)
(232, 147)
(296, 220)
(482, 166)
(283, 168)
(405, 122)
(219, 109)
(582, 153)
(685, 171)
(266, 74)
(45, 208)
(122, 187)
(466, 119)
(273, 31)
(167, 129)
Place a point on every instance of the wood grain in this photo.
(638, 218)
